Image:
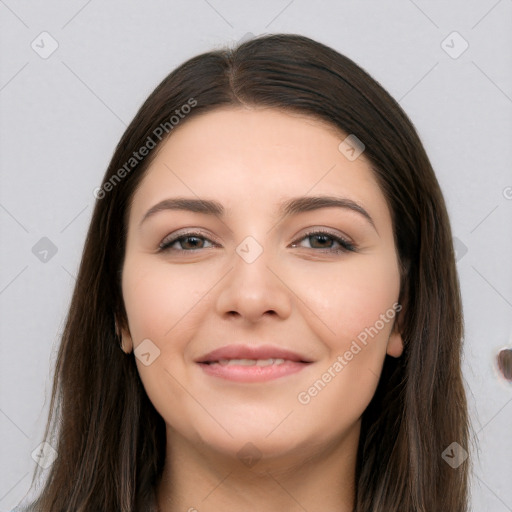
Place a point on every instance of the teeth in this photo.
(242, 362)
(268, 362)
(250, 362)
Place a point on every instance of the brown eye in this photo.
(327, 241)
(189, 242)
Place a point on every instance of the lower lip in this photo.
(254, 373)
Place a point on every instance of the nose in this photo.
(253, 289)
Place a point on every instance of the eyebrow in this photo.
(292, 206)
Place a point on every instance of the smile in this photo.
(248, 362)
(252, 370)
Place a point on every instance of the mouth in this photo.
(244, 363)
(250, 362)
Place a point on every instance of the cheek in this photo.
(162, 305)
(350, 298)
(160, 301)
(360, 316)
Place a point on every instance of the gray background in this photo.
(63, 115)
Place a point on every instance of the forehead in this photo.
(257, 155)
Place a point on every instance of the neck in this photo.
(199, 479)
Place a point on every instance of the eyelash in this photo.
(346, 246)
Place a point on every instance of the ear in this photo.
(125, 338)
(395, 346)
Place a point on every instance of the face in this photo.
(319, 282)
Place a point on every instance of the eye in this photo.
(322, 237)
(192, 240)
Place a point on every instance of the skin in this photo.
(303, 298)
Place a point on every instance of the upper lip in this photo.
(251, 352)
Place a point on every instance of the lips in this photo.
(247, 352)
(248, 364)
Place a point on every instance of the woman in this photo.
(267, 314)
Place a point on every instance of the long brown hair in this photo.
(109, 438)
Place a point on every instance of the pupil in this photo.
(192, 238)
(324, 237)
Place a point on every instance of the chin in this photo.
(253, 446)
